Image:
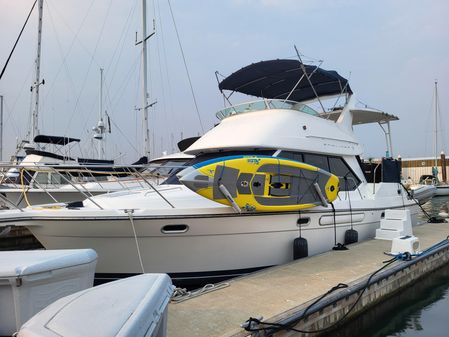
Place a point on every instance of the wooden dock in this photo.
(281, 294)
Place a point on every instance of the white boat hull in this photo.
(214, 246)
(442, 190)
(423, 193)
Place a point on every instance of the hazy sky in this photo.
(391, 50)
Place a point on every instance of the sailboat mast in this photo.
(146, 131)
(436, 125)
(37, 83)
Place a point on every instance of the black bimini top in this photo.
(275, 79)
(56, 140)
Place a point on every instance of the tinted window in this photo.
(335, 165)
(316, 160)
(41, 178)
(291, 155)
(57, 178)
(348, 180)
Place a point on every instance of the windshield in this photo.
(266, 104)
(166, 167)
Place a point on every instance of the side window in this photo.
(334, 165)
(57, 178)
(41, 178)
(341, 170)
(316, 160)
(291, 155)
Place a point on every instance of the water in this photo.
(418, 311)
(436, 205)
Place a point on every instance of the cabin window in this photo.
(292, 155)
(334, 165)
(339, 167)
(41, 178)
(317, 160)
(57, 178)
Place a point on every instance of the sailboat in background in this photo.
(44, 176)
(442, 188)
(36, 144)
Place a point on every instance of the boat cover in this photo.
(56, 140)
(131, 307)
(275, 79)
(29, 262)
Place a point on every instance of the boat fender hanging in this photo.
(300, 248)
(351, 236)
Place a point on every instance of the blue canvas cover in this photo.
(275, 79)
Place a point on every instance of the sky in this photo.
(391, 51)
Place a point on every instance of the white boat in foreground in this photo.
(131, 307)
(32, 279)
(174, 230)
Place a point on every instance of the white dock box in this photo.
(31, 280)
(130, 307)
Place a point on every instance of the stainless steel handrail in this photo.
(137, 176)
(374, 177)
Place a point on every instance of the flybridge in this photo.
(289, 84)
(285, 84)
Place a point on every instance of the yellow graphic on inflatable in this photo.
(257, 183)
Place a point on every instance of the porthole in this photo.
(174, 229)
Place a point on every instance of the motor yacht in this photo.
(173, 230)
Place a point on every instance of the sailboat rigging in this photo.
(442, 187)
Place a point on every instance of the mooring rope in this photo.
(269, 328)
(182, 294)
(130, 215)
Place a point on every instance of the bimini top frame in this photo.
(286, 79)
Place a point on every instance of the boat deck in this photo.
(279, 292)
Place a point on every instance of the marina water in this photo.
(418, 311)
